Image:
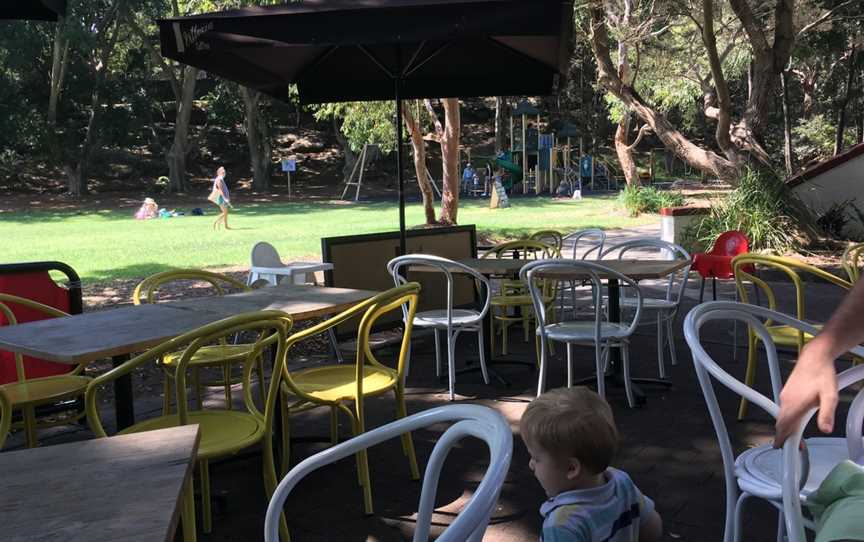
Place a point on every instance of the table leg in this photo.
(124, 405)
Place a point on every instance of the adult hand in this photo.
(812, 383)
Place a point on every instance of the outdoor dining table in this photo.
(126, 487)
(635, 269)
(116, 333)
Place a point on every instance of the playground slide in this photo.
(515, 171)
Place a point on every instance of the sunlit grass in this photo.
(106, 244)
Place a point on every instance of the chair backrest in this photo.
(147, 290)
(593, 238)
(552, 238)
(525, 249)
(264, 255)
(475, 421)
(532, 274)
(851, 261)
(9, 305)
(706, 368)
(399, 266)
(369, 312)
(745, 266)
(33, 281)
(271, 327)
(676, 283)
(731, 243)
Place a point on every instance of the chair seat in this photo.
(649, 303)
(759, 469)
(787, 335)
(45, 390)
(511, 300)
(211, 355)
(438, 318)
(334, 383)
(584, 331)
(223, 432)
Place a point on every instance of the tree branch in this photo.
(642, 131)
(825, 16)
(751, 26)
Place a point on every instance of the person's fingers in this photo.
(788, 419)
(827, 406)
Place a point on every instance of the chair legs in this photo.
(437, 354)
(188, 512)
(482, 351)
(625, 360)
(206, 511)
(750, 373)
(569, 365)
(670, 336)
(29, 414)
(661, 344)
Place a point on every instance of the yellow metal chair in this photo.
(782, 335)
(338, 385)
(27, 394)
(851, 261)
(553, 238)
(223, 355)
(513, 293)
(224, 432)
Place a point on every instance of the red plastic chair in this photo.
(33, 281)
(717, 264)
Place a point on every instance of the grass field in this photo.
(109, 244)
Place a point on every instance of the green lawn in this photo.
(108, 244)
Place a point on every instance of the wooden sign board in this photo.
(499, 196)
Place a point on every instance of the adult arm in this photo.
(813, 381)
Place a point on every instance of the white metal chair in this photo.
(593, 239)
(266, 264)
(667, 306)
(765, 472)
(449, 319)
(470, 420)
(599, 332)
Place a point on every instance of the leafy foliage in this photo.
(363, 122)
(648, 199)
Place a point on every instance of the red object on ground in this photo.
(718, 262)
(38, 286)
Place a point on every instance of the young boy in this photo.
(571, 436)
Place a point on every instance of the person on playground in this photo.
(220, 196)
(467, 177)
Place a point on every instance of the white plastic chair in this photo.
(476, 421)
(266, 264)
(765, 472)
(450, 319)
(667, 306)
(599, 332)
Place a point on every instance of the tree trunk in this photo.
(350, 155)
(787, 123)
(59, 61)
(841, 113)
(450, 161)
(258, 139)
(625, 152)
(419, 148)
(179, 150)
(500, 129)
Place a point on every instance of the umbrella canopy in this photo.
(348, 50)
(39, 10)
(525, 108)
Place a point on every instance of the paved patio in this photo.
(668, 447)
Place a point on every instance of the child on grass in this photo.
(571, 436)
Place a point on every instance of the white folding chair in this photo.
(774, 475)
(667, 306)
(599, 332)
(449, 319)
(475, 421)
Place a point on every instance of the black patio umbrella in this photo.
(38, 10)
(354, 50)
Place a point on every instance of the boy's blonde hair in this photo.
(572, 422)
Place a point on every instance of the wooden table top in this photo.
(97, 335)
(635, 269)
(126, 487)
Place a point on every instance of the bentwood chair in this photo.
(763, 471)
(553, 238)
(665, 307)
(473, 517)
(223, 355)
(336, 386)
(744, 267)
(599, 332)
(26, 394)
(852, 261)
(512, 295)
(224, 432)
(586, 245)
(450, 319)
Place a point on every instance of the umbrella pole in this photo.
(403, 242)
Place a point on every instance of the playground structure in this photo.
(355, 178)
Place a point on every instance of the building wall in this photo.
(835, 186)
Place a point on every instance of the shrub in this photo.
(756, 207)
(647, 199)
